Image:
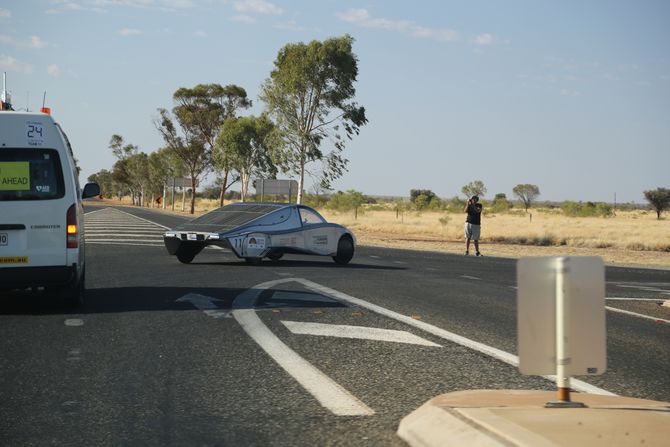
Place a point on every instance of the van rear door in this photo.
(33, 208)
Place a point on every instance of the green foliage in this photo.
(474, 188)
(423, 199)
(526, 193)
(309, 94)
(455, 205)
(120, 149)
(588, 209)
(104, 179)
(659, 199)
(346, 201)
(245, 145)
(500, 204)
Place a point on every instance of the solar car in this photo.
(255, 231)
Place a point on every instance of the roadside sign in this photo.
(181, 182)
(542, 284)
(275, 186)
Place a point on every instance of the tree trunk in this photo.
(301, 183)
(192, 195)
(224, 186)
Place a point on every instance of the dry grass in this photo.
(632, 238)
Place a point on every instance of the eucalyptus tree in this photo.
(187, 146)
(203, 109)
(659, 199)
(245, 145)
(474, 188)
(309, 95)
(527, 193)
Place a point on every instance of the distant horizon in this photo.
(572, 97)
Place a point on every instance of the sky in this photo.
(572, 96)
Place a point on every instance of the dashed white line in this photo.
(471, 277)
(73, 322)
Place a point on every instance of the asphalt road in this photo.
(219, 352)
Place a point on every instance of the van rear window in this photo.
(30, 174)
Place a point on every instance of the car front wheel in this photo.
(345, 250)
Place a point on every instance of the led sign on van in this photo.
(14, 176)
(34, 133)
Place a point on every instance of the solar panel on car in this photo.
(228, 217)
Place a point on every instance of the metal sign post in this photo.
(561, 319)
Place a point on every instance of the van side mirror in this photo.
(90, 190)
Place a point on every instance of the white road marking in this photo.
(301, 296)
(73, 322)
(374, 257)
(471, 277)
(357, 332)
(324, 389)
(399, 262)
(496, 353)
(205, 304)
(646, 288)
(658, 300)
(141, 218)
(513, 287)
(627, 312)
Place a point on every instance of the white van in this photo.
(41, 213)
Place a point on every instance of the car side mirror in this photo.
(90, 190)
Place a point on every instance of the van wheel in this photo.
(345, 250)
(275, 256)
(73, 296)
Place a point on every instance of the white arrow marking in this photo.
(357, 332)
(329, 393)
(325, 390)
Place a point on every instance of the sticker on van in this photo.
(34, 133)
(13, 259)
(14, 176)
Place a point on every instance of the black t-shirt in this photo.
(474, 214)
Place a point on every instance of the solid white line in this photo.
(635, 299)
(324, 389)
(498, 354)
(646, 288)
(357, 332)
(627, 312)
(471, 277)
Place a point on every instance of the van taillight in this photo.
(71, 225)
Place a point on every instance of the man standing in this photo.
(473, 224)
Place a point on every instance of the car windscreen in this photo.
(30, 174)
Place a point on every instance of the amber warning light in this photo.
(46, 110)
